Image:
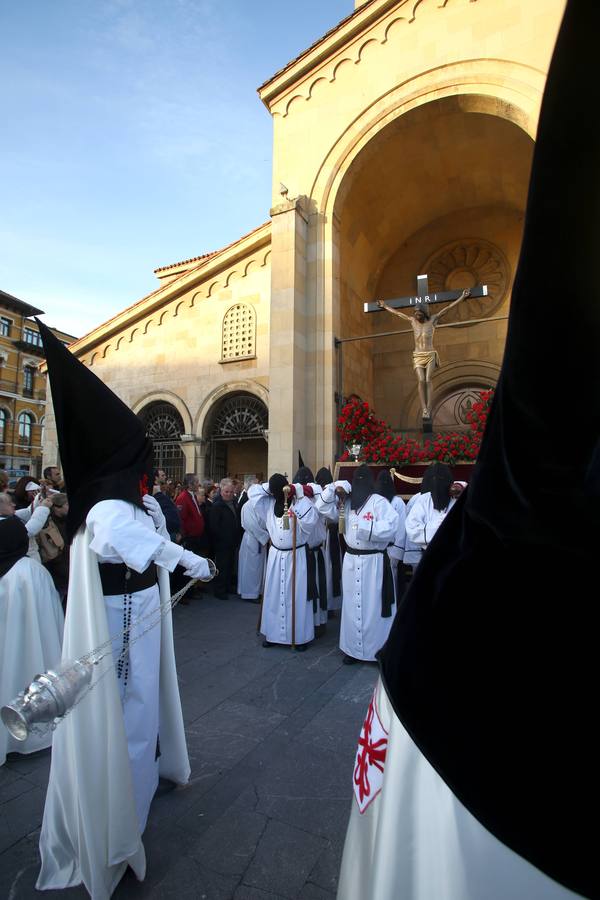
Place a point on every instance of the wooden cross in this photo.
(423, 296)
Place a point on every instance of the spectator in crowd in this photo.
(31, 626)
(4, 479)
(192, 520)
(53, 478)
(211, 490)
(23, 494)
(166, 504)
(226, 534)
(33, 516)
(53, 543)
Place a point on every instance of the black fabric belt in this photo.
(117, 578)
(316, 577)
(388, 596)
(288, 549)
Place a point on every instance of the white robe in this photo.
(252, 556)
(91, 828)
(34, 518)
(31, 630)
(396, 549)
(363, 629)
(414, 840)
(276, 621)
(334, 601)
(412, 551)
(423, 520)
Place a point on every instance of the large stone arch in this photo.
(239, 449)
(218, 394)
(504, 91)
(441, 166)
(504, 88)
(166, 397)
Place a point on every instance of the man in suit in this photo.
(226, 534)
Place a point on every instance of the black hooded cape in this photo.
(14, 543)
(104, 451)
(490, 664)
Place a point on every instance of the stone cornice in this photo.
(170, 291)
(324, 49)
(342, 43)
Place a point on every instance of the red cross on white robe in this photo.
(370, 758)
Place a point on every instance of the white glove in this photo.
(153, 507)
(195, 566)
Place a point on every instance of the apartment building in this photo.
(22, 387)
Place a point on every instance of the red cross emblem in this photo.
(370, 758)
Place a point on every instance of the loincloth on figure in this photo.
(422, 358)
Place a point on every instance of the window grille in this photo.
(164, 427)
(239, 332)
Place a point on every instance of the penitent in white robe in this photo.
(252, 556)
(396, 548)
(103, 772)
(31, 630)
(363, 629)
(423, 520)
(276, 622)
(410, 838)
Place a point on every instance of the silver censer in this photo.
(50, 696)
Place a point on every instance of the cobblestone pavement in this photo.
(271, 736)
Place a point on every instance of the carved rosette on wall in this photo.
(463, 264)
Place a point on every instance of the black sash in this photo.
(317, 586)
(117, 578)
(388, 597)
(336, 559)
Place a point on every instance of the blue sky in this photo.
(133, 137)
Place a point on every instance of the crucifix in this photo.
(425, 357)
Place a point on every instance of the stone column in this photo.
(288, 352)
(194, 450)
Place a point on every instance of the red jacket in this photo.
(192, 520)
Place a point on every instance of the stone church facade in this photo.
(403, 142)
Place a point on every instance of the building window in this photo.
(3, 423)
(31, 336)
(239, 332)
(25, 423)
(28, 381)
(5, 326)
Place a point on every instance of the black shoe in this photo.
(300, 648)
(252, 599)
(267, 644)
(350, 661)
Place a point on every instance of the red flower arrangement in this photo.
(357, 424)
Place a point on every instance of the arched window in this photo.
(164, 427)
(241, 416)
(239, 333)
(25, 421)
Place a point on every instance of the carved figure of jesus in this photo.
(425, 356)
